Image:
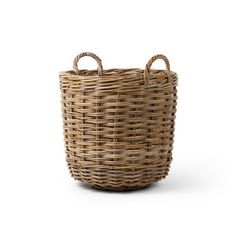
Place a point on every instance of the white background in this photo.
(40, 38)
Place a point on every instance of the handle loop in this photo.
(89, 54)
(150, 62)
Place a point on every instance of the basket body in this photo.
(118, 129)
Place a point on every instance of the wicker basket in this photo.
(118, 124)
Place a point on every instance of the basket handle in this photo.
(150, 62)
(89, 54)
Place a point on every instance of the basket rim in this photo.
(113, 73)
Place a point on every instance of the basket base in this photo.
(87, 177)
(119, 189)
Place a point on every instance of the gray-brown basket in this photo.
(118, 124)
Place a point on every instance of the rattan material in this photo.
(118, 124)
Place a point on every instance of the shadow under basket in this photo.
(118, 124)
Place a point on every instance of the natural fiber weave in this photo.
(118, 124)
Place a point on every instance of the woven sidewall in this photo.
(118, 130)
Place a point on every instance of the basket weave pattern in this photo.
(118, 124)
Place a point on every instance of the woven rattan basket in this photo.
(118, 124)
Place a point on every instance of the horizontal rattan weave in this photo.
(118, 124)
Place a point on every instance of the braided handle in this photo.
(89, 54)
(150, 62)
